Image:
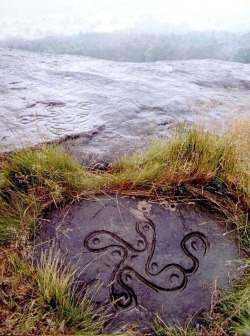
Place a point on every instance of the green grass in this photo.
(194, 164)
(44, 299)
(161, 328)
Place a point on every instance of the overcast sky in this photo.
(38, 18)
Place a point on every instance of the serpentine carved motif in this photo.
(171, 277)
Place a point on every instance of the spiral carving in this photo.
(171, 277)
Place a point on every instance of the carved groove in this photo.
(171, 277)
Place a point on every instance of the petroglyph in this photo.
(147, 258)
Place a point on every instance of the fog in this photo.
(33, 19)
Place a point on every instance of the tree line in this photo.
(132, 47)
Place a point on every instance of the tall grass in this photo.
(44, 299)
(193, 157)
(195, 163)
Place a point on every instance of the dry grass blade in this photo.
(195, 164)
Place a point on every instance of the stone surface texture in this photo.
(148, 257)
(109, 107)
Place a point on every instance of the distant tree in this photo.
(242, 55)
(128, 47)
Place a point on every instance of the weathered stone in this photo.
(107, 107)
(150, 258)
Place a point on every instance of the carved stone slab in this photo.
(102, 110)
(149, 258)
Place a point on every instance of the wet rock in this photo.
(122, 105)
(149, 258)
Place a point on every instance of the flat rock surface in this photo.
(109, 107)
(148, 257)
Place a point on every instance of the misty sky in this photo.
(38, 18)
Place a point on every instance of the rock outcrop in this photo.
(145, 257)
(103, 109)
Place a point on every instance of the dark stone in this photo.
(150, 258)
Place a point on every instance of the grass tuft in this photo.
(195, 164)
(44, 299)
